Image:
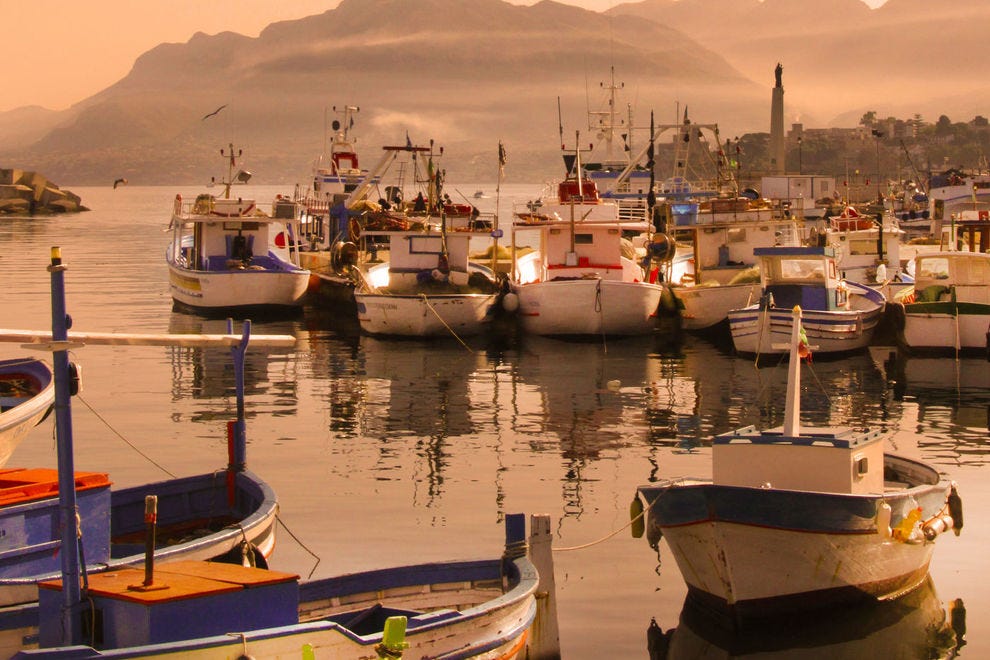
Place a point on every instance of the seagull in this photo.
(119, 182)
(207, 116)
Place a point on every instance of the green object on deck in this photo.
(393, 638)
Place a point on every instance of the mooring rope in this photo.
(451, 330)
(610, 534)
(125, 440)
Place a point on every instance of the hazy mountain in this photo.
(463, 72)
(468, 73)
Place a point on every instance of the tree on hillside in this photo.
(868, 119)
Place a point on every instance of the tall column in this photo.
(777, 150)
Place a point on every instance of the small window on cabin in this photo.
(735, 235)
(802, 269)
(241, 226)
(933, 268)
(862, 247)
(425, 245)
(583, 239)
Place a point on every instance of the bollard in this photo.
(544, 638)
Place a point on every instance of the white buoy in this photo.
(510, 302)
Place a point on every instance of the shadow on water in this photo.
(913, 626)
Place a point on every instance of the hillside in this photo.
(496, 75)
(468, 73)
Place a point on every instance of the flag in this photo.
(501, 160)
(804, 349)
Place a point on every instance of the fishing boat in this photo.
(720, 272)
(428, 287)
(801, 518)
(227, 256)
(954, 191)
(224, 514)
(413, 271)
(584, 278)
(839, 316)
(950, 309)
(337, 170)
(459, 609)
(27, 393)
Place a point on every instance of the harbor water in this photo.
(388, 452)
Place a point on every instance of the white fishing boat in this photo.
(950, 309)
(839, 316)
(227, 256)
(584, 277)
(337, 170)
(954, 191)
(427, 288)
(27, 393)
(801, 518)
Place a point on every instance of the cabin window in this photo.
(424, 245)
(862, 247)
(583, 239)
(735, 235)
(933, 268)
(241, 226)
(802, 269)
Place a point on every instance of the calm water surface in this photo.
(390, 452)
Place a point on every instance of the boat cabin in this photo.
(830, 460)
(944, 276)
(805, 276)
(185, 600)
(418, 257)
(218, 235)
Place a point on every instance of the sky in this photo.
(59, 52)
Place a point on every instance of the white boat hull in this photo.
(588, 307)
(946, 331)
(423, 315)
(17, 421)
(703, 307)
(727, 561)
(766, 332)
(238, 289)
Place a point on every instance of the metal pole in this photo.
(68, 522)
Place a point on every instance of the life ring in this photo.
(353, 229)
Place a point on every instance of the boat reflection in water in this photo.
(914, 626)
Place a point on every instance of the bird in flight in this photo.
(207, 116)
(119, 182)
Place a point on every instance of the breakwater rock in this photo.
(31, 193)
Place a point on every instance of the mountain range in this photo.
(469, 73)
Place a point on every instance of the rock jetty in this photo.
(31, 193)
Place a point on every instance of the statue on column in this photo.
(778, 72)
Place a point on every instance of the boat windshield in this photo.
(801, 269)
(933, 268)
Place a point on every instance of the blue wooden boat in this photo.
(451, 610)
(27, 393)
(802, 518)
(839, 316)
(227, 513)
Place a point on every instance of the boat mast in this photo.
(68, 522)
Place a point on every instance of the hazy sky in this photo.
(58, 52)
